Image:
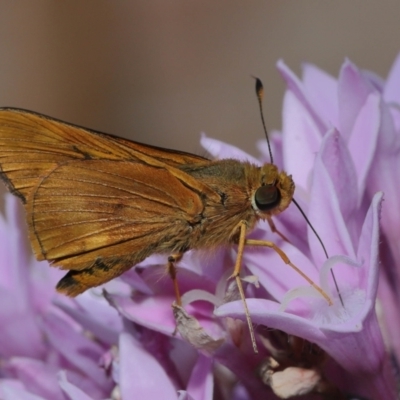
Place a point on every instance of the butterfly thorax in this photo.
(241, 187)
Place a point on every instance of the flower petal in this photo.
(353, 90)
(325, 209)
(72, 391)
(384, 175)
(321, 89)
(363, 139)
(220, 150)
(39, 378)
(94, 314)
(141, 376)
(152, 312)
(184, 395)
(296, 86)
(81, 352)
(301, 140)
(391, 92)
(368, 248)
(11, 389)
(201, 382)
(19, 332)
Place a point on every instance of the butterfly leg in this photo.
(172, 260)
(274, 229)
(286, 260)
(242, 227)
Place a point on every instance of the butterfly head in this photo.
(274, 192)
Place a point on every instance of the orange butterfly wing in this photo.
(32, 144)
(96, 204)
(102, 217)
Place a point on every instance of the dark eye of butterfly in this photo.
(267, 197)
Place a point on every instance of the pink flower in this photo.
(36, 339)
(331, 145)
(365, 110)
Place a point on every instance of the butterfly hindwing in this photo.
(99, 218)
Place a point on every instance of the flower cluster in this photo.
(340, 141)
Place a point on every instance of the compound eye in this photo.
(267, 197)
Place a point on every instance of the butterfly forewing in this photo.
(32, 144)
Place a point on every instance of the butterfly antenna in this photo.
(260, 95)
(323, 247)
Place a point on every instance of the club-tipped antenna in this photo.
(260, 95)
(322, 244)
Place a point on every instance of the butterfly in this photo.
(97, 204)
